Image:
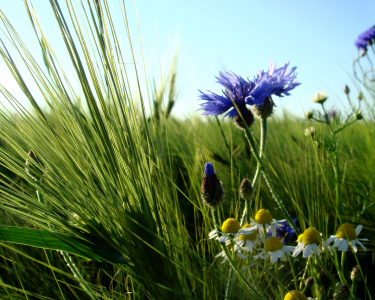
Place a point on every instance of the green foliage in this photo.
(112, 180)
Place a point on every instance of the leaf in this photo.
(57, 241)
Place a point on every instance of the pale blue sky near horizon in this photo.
(240, 36)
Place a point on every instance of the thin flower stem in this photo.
(339, 271)
(343, 258)
(263, 140)
(293, 272)
(267, 178)
(233, 265)
(281, 288)
(317, 258)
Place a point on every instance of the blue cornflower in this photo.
(283, 231)
(235, 92)
(365, 39)
(277, 82)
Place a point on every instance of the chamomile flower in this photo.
(230, 229)
(275, 249)
(237, 249)
(264, 218)
(248, 242)
(311, 243)
(294, 295)
(345, 235)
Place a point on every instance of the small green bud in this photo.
(346, 90)
(358, 115)
(360, 96)
(319, 97)
(309, 115)
(246, 189)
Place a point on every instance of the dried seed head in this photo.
(355, 274)
(246, 189)
(342, 292)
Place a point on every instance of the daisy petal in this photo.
(343, 246)
(307, 251)
(358, 229)
(359, 243)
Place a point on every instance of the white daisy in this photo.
(275, 249)
(237, 249)
(230, 229)
(264, 218)
(249, 241)
(345, 235)
(311, 243)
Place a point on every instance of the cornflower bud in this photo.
(324, 278)
(355, 274)
(309, 282)
(212, 192)
(309, 115)
(342, 292)
(246, 189)
(247, 116)
(360, 96)
(346, 90)
(264, 111)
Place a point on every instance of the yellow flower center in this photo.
(346, 231)
(273, 244)
(230, 226)
(311, 236)
(251, 236)
(300, 237)
(293, 295)
(263, 216)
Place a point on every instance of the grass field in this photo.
(109, 204)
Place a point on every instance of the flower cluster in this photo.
(238, 93)
(365, 39)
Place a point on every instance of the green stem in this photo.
(317, 258)
(263, 140)
(267, 178)
(293, 272)
(233, 265)
(343, 258)
(339, 271)
(281, 289)
(78, 275)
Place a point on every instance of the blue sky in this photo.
(240, 36)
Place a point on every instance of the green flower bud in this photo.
(346, 90)
(246, 189)
(309, 115)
